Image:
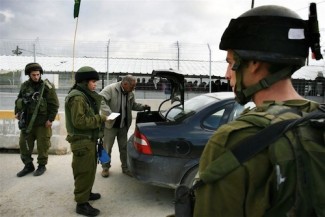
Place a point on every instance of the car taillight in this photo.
(141, 143)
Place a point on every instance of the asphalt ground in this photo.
(51, 194)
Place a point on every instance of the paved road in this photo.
(51, 195)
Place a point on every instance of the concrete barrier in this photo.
(9, 131)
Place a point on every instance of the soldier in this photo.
(84, 126)
(36, 107)
(264, 46)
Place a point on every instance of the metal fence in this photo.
(184, 54)
(11, 83)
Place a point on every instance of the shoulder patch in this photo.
(48, 84)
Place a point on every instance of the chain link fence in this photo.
(201, 64)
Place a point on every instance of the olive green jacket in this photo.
(247, 191)
(82, 120)
(28, 97)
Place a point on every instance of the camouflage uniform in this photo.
(262, 55)
(26, 102)
(248, 190)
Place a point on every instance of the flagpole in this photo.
(74, 44)
(76, 9)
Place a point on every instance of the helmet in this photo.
(268, 33)
(33, 67)
(272, 34)
(86, 73)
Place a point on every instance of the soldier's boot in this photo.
(127, 172)
(86, 209)
(94, 196)
(27, 169)
(40, 170)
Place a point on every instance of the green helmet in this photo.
(86, 73)
(271, 34)
(33, 67)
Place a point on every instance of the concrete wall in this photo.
(9, 131)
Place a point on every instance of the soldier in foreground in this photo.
(265, 46)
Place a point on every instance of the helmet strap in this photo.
(239, 90)
(238, 68)
(244, 95)
(267, 81)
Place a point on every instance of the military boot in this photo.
(86, 209)
(27, 169)
(94, 196)
(40, 170)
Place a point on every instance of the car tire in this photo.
(189, 177)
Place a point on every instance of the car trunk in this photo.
(176, 81)
(148, 116)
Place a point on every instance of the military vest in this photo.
(294, 186)
(298, 158)
(29, 97)
(75, 133)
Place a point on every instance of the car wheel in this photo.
(189, 177)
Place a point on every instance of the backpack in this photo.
(296, 146)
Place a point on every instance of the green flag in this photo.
(76, 8)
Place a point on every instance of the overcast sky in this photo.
(193, 21)
(159, 21)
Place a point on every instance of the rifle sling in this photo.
(31, 123)
(252, 145)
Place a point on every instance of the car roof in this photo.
(221, 95)
(228, 95)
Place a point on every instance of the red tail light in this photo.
(141, 143)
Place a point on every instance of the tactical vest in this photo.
(28, 99)
(298, 158)
(74, 133)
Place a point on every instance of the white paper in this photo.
(112, 116)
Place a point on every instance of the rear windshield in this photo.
(191, 106)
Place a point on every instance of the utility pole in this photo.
(109, 40)
(34, 52)
(210, 81)
(17, 51)
(34, 48)
(252, 6)
(177, 56)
